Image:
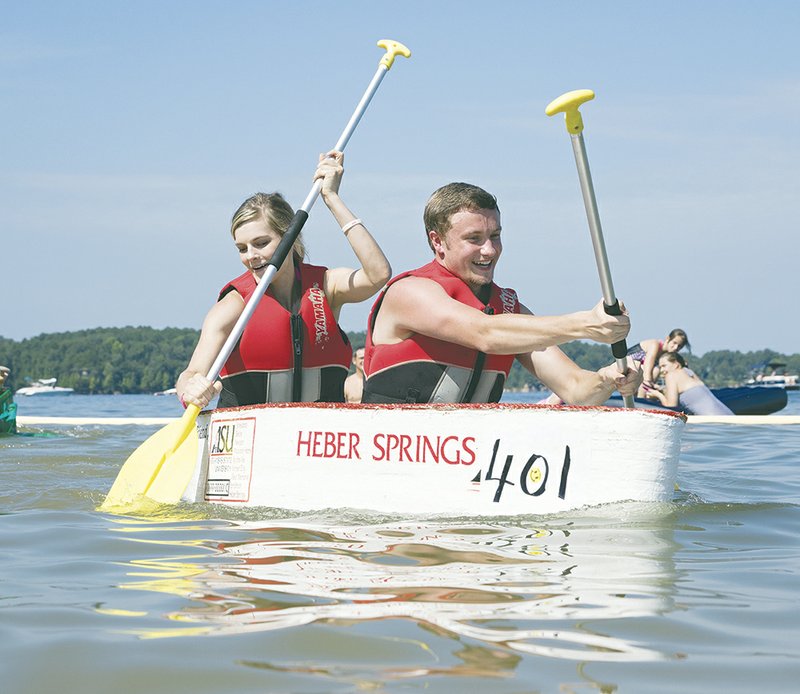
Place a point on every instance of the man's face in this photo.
(471, 247)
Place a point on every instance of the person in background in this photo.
(292, 349)
(8, 408)
(647, 352)
(446, 332)
(684, 389)
(354, 385)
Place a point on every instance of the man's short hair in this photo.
(453, 198)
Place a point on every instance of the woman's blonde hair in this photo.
(274, 211)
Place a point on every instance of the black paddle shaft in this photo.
(288, 239)
(618, 349)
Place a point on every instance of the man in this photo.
(446, 333)
(354, 383)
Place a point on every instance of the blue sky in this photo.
(132, 131)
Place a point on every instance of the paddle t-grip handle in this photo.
(393, 49)
(568, 104)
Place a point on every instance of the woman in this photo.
(648, 352)
(292, 348)
(683, 388)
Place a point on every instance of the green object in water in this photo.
(8, 412)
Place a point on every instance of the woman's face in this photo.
(256, 243)
(674, 344)
(665, 365)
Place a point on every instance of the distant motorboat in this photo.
(168, 391)
(44, 386)
(773, 375)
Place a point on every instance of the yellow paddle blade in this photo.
(154, 458)
(177, 470)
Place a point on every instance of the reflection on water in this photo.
(84, 594)
(498, 590)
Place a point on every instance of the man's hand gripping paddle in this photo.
(568, 104)
(162, 466)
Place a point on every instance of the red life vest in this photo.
(284, 356)
(425, 369)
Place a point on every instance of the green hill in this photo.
(146, 360)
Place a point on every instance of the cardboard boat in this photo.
(443, 460)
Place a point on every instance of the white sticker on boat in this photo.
(230, 459)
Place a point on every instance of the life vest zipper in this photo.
(298, 329)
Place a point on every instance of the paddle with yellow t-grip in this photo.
(568, 104)
(162, 466)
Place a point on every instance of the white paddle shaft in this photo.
(305, 208)
(600, 255)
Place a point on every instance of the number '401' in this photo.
(533, 476)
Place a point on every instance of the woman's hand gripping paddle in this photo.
(568, 104)
(162, 466)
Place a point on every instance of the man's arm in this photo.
(419, 305)
(577, 386)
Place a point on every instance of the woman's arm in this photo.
(671, 391)
(651, 350)
(192, 385)
(654, 394)
(345, 285)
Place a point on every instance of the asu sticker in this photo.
(230, 459)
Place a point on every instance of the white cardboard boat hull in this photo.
(451, 460)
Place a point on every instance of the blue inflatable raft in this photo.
(741, 400)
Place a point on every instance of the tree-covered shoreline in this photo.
(148, 360)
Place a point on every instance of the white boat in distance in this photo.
(442, 460)
(44, 386)
(776, 378)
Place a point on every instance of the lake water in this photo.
(699, 595)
